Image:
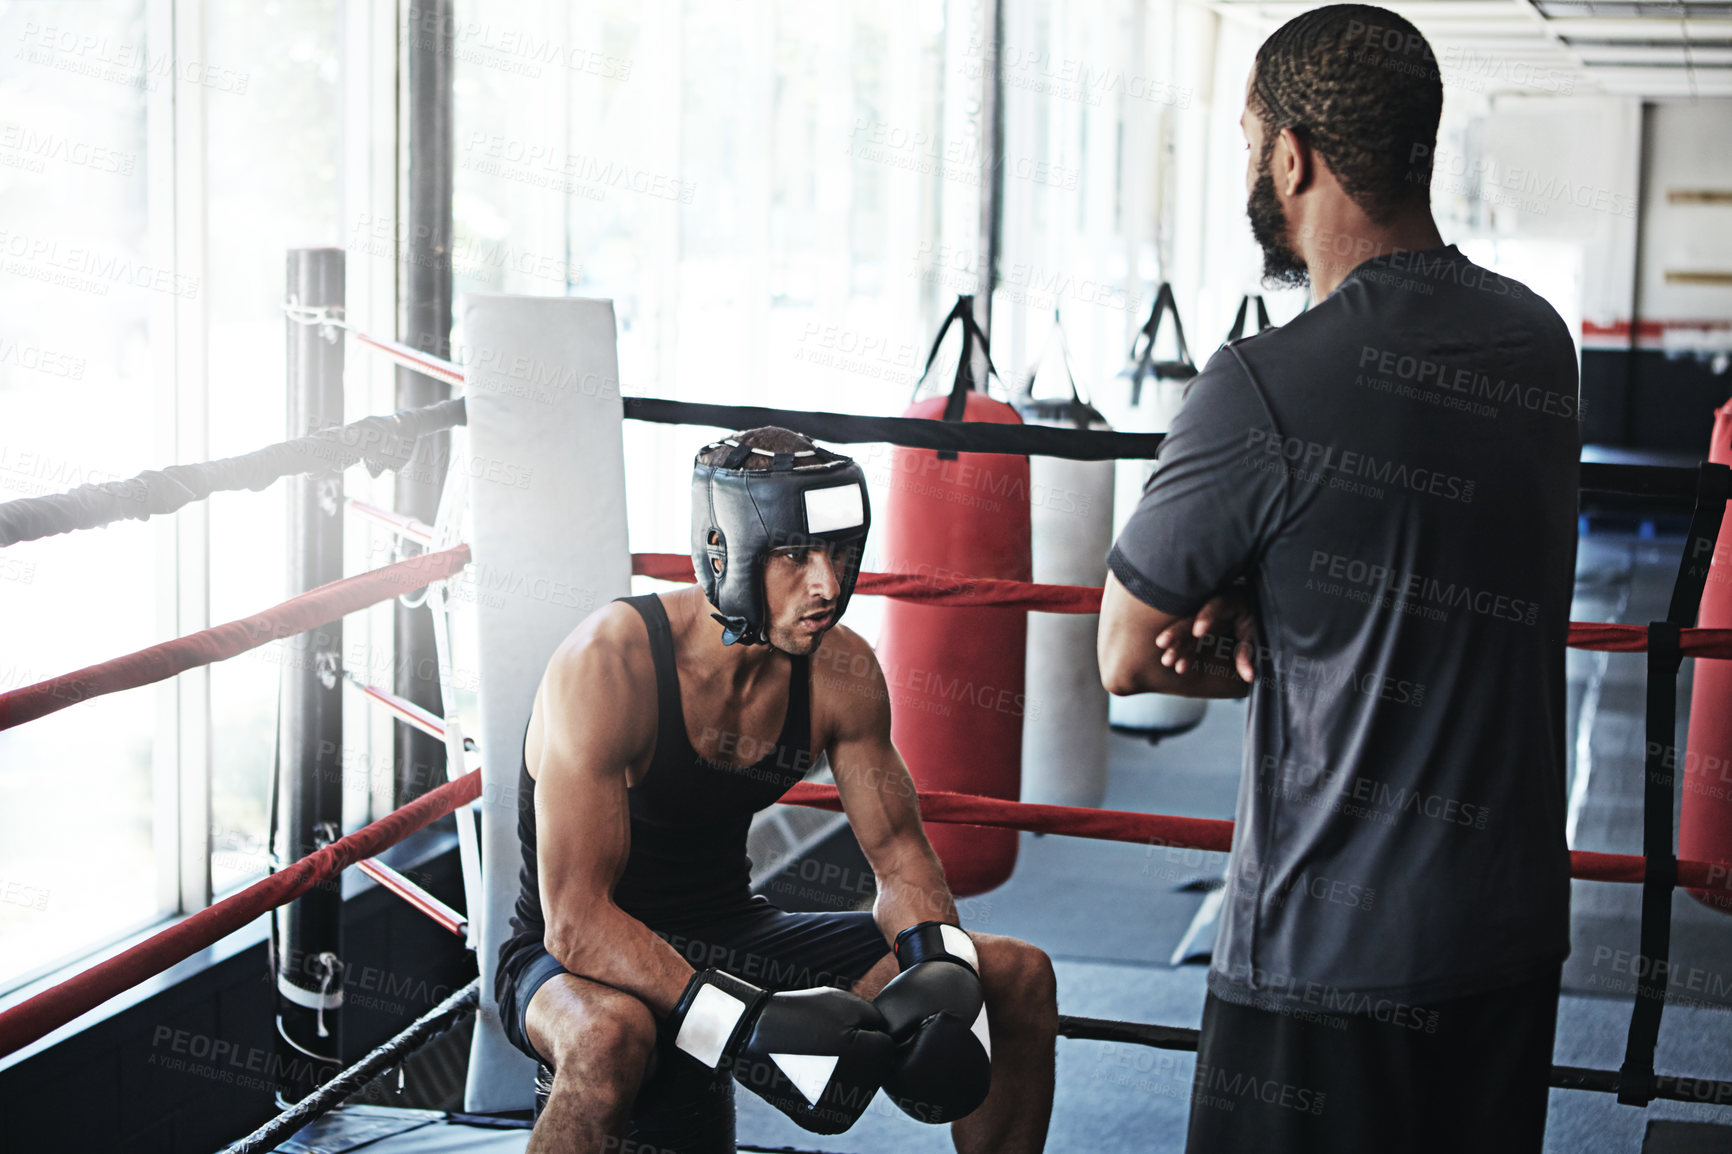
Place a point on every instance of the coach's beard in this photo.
(1282, 267)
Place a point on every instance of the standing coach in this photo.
(1366, 518)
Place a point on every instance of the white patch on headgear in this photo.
(837, 507)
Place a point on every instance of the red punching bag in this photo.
(956, 673)
(1705, 821)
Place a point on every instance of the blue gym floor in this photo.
(1112, 915)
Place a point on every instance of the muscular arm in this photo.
(587, 744)
(1130, 657)
(876, 789)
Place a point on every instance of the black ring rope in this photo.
(908, 432)
(321, 1101)
(435, 1021)
(1660, 481)
(386, 442)
(1673, 1087)
(382, 442)
(1670, 482)
(1131, 1033)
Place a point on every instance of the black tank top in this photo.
(689, 816)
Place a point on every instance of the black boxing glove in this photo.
(936, 1011)
(816, 1055)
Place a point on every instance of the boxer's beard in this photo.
(1282, 267)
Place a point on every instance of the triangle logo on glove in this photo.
(981, 1031)
(810, 1073)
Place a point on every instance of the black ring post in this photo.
(1636, 1082)
(308, 805)
(424, 324)
(1660, 874)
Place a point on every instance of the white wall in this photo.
(1547, 181)
(1561, 170)
(1689, 148)
(1215, 259)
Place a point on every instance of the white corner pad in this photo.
(545, 452)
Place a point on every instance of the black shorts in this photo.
(1463, 1074)
(682, 1106)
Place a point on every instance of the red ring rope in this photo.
(1191, 832)
(309, 610)
(959, 589)
(53, 1008)
(941, 588)
(330, 602)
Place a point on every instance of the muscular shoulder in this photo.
(848, 685)
(612, 641)
(598, 670)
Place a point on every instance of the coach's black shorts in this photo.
(1467, 1074)
(682, 1106)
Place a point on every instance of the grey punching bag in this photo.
(1064, 727)
(1143, 398)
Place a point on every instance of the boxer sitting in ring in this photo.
(655, 737)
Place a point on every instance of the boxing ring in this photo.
(571, 443)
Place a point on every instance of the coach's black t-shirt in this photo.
(1395, 473)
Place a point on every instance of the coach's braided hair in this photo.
(1361, 86)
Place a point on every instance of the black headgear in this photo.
(739, 515)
